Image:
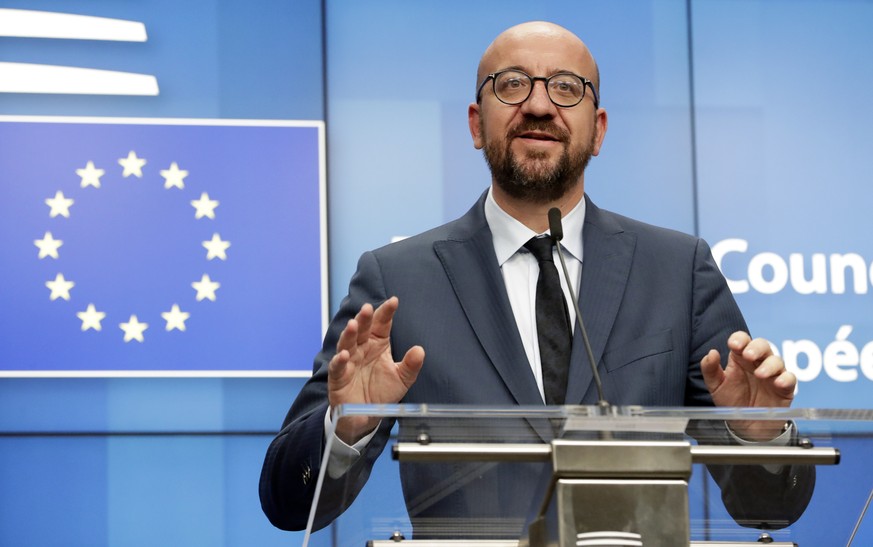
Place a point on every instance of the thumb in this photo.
(710, 366)
(410, 366)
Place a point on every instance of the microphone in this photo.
(556, 230)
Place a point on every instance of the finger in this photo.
(770, 367)
(758, 349)
(738, 342)
(777, 391)
(710, 366)
(411, 365)
(364, 319)
(786, 383)
(383, 318)
(348, 339)
(337, 365)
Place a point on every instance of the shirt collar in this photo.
(509, 234)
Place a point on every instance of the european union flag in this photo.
(160, 245)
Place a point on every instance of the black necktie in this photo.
(553, 323)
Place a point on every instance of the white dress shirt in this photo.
(520, 271)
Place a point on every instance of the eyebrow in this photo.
(548, 72)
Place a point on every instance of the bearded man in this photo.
(455, 321)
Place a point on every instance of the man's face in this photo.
(536, 150)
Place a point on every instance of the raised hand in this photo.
(754, 377)
(363, 370)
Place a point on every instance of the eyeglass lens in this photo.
(514, 87)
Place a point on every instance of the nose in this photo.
(538, 103)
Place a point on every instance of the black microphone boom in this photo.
(556, 230)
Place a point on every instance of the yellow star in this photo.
(174, 176)
(91, 318)
(133, 329)
(204, 206)
(60, 205)
(132, 165)
(60, 287)
(216, 248)
(205, 288)
(48, 246)
(175, 318)
(90, 175)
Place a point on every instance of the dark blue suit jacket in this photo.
(654, 304)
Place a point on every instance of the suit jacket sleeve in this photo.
(294, 458)
(714, 317)
(754, 496)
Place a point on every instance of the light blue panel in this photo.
(645, 166)
(382, 171)
(783, 118)
(53, 491)
(145, 404)
(53, 405)
(257, 404)
(163, 491)
(165, 404)
(166, 491)
(270, 59)
(465, 173)
(244, 522)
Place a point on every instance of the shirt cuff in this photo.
(342, 456)
(783, 439)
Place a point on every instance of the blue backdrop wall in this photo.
(744, 121)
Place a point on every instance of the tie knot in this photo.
(541, 247)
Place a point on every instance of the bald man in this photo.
(448, 316)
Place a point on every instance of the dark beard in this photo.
(537, 182)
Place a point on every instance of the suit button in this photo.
(307, 473)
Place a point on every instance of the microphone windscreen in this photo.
(555, 227)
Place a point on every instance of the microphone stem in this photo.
(601, 402)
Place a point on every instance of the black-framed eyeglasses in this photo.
(512, 87)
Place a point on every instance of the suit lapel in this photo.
(472, 269)
(471, 266)
(608, 254)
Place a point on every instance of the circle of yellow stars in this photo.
(92, 318)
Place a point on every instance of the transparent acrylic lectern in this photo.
(586, 476)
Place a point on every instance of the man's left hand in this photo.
(754, 376)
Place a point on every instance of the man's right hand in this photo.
(363, 370)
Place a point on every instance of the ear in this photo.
(600, 124)
(474, 119)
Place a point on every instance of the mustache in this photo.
(544, 126)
